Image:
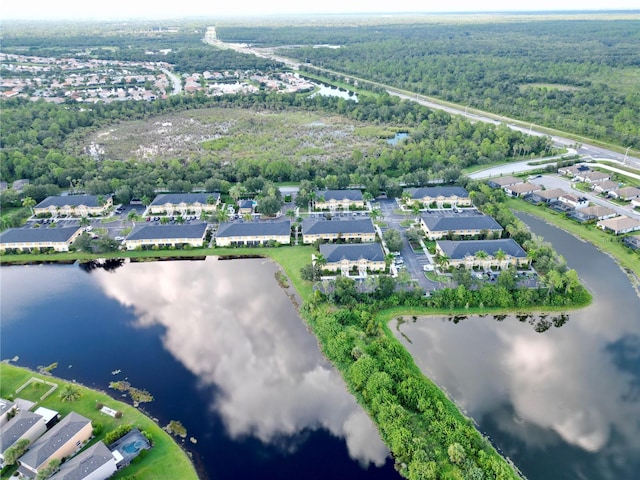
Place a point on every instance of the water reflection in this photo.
(562, 402)
(234, 328)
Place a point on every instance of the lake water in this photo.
(334, 92)
(220, 347)
(563, 403)
(397, 137)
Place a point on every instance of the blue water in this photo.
(219, 346)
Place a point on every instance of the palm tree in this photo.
(69, 393)
(375, 214)
(500, 255)
(442, 260)
(406, 196)
(247, 217)
(29, 203)
(291, 214)
(222, 215)
(319, 260)
(84, 222)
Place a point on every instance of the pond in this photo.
(558, 394)
(397, 137)
(220, 347)
(327, 91)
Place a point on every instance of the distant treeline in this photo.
(580, 76)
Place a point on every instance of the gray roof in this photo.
(352, 195)
(335, 253)
(71, 200)
(5, 405)
(17, 427)
(246, 203)
(252, 229)
(168, 232)
(54, 439)
(188, 198)
(316, 227)
(42, 234)
(83, 464)
(458, 222)
(433, 192)
(459, 250)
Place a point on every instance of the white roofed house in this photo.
(521, 189)
(620, 224)
(573, 200)
(185, 203)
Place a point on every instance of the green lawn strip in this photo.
(165, 460)
(604, 241)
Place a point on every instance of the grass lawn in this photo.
(165, 460)
(604, 241)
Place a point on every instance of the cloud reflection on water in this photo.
(231, 325)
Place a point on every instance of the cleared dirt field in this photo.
(230, 134)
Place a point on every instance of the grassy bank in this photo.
(165, 460)
(606, 242)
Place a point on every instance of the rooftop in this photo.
(506, 180)
(315, 227)
(70, 200)
(17, 427)
(335, 253)
(253, 229)
(40, 451)
(353, 195)
(187, 198)
(458, 222)
(433, 192)
(85, 463)
(37, 235)
(459, 250)
(160, 232)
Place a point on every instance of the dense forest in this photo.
(46, 143)
(580, 76)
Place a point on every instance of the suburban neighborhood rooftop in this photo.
(314, 226)
(186, 198)
(335, 252)
(33, 235)
(458, 222)
(69, 200)
(458, 250)
(252, 229)
(152, 232)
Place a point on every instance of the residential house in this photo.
(625, 193)
(185, 203)
(521, 189)
(544, 196)
(60, 442)
(360, 230)
(95, 463)
(346, 258)
(573, 200)
(454, 196)
(7, 408)
(436, 227)
(635, 203)
(74, 205)
(18, 185)
(338, 199)
(593, 177)
(28, 239)
(482, 253)
(632, 241)
(25, 425)
(573, 170)
(162, 236)
(620, 224)
(253, 233)
(506, 181)
(595, 212)
(605, 186)
(245, 207)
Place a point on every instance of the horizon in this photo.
(74, 10)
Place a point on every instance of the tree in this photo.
(393, 239)
(442, 261)
(84, 222)
(319, 260)
(47, 471)
(237, 191)
(269, 205)
(456, 453)
(69, 393)
(29, 203)
(222, 215)
(310, 272)
(414, 234)
(375, 213)
(14, 452)
(291, 214)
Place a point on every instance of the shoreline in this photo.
(165, 446)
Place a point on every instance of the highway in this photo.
(584, 149)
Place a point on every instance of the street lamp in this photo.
(625, 155)
(465, 110)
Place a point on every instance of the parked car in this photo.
(428, 268)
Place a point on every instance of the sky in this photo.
(83, 9)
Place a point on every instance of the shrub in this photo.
(99, 406)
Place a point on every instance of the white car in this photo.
(428, 268)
